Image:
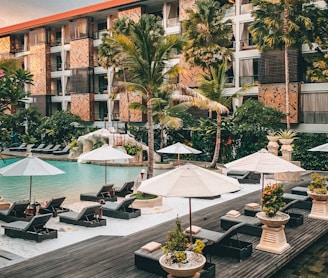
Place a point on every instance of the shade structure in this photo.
(179, 148)
(104, 153)
(30, 166)
(320, 148)
(189, 181)
(263, 162)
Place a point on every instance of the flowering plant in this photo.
(318, 184)
(272, 199)
(176, 244)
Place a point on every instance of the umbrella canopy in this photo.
(263, 162)
(320, 148)
(189, 181)
(104, 153)
(30, 166)
(179, 148)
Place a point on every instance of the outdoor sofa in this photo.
(32, 230)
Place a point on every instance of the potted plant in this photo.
(273, 145)
(273, 237)
(272, 136)
(177, 259)
(286, 137)
(272, 202)
(317, 188)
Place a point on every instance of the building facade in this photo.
(61, 51)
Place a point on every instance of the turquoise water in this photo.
(78, 178)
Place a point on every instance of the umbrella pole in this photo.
(262, 184)
(30, 189)
(190, 224)
(105, 172)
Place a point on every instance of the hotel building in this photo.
(61, 51)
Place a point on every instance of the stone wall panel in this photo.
(83, 105)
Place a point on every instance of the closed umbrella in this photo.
(189, 181)
(30, 166)
(104, 153)
(179, 148)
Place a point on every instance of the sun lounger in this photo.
(300, 190)
(106, 193)
(148, 260)
(50, 150)
(125, 189)
(121, 210)
(17, 211)
(42, 149)
(223, 244)
(33, 230)
(252, 225)
(54, 206)
(41, 146)
(245, 176)
(23, 145)
(63, 151)
(304, 202)
(87, 217)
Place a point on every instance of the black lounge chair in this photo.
(54, 148)
(23, 145)
(25, 148)
(42, 149)
(245, 176)
(252, 225)
(17, 211)
(54, 206)
(33, 230)
(304, 202)
(223, 244)
(87, 217)
(106, 193)
(121, 210)
(63, 151)
(125, 189)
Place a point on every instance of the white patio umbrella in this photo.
(189, 181)
(263, 162)
(104, 153)
(320, 148)
(30, 166)
(179, 148)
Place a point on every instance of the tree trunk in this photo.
(286, 70)
(218, 142)
(150, 138)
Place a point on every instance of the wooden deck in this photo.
(107, 256)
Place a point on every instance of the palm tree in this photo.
(143, 50)
(210, 37)
(281, 25)
(165, 112)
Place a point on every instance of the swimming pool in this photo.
(78, 178)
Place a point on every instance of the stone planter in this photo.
(148, 203)
(319, 208)
(273, 145)
(195, 263)
(273, 238)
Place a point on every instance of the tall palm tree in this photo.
(210, 37)
(165, 112)
(143, 49)
(281, 25)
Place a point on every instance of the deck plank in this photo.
(113, 256)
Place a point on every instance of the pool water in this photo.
(78, 178)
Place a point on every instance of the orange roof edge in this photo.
(65, 15)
